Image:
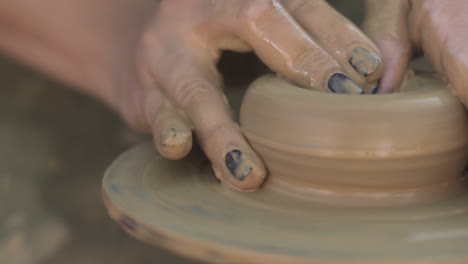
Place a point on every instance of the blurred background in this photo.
(55, 145)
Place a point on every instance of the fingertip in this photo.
(396, 57)
(243, 170)
(340, 83)
(174, 142)
(386, 24)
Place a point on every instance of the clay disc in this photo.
(179, 205)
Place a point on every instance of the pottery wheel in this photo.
(180, 205)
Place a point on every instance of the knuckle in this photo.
(191, 92)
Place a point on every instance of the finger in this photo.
(290, 51)
(455, 68)
(386, 24)
(193, 84)
(439, 30)
(172, 135)
(339, 36)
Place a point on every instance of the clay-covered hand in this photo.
(437, 29)
(155, 61)
(306, 41)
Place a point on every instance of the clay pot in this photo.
(394, 149)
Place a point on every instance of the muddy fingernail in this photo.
(170, 137)
(176, 144)
(363, 61)
(376, 90)
(236, 164)
(340, 83)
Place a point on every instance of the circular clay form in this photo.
(385, 150)
(353, 179)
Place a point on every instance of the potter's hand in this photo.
(156, 64)
(436, 28)
(306, 41)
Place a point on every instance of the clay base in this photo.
(179, 205)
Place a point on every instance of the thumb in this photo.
(386, 24)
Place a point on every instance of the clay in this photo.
(390, 149)
(180, 206)
(353, 179)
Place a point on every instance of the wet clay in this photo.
(353, 179)
(392, 149)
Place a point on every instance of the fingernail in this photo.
(128, 223)
(376, 89)
(175, 137)
(169, 137)
(237, 165)
(175, 143)
(340, 83)
(363, 61)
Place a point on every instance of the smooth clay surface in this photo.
(181, 206)
(394, 149)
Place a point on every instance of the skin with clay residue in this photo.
(283, 39)
(155, 52)
(155, 63)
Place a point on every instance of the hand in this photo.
(305, 41)
(160, 73)
(436, 28)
